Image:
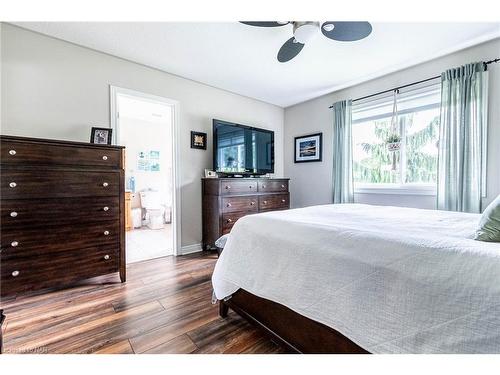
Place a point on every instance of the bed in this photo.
(353, 278)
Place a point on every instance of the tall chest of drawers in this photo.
(225, 200)
(62, 213)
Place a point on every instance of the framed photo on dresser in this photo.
(101, 136)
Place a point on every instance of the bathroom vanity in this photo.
(62, 213)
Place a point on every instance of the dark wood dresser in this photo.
(62, 213)
(225, 200)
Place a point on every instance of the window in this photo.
(409, 165)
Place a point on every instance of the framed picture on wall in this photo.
(199, 140)
(101, 136)
(308, 148)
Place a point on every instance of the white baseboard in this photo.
(189, 249)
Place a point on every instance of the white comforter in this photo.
(392, 279)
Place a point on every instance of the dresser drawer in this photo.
(234, 204)
(273, 186)
(56, 211)
(51, 270)
(53, 183)
(238, 187)
(229, 219)
(274, 202)
(22, 242)
(40, 153)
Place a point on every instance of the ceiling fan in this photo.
(303, 31)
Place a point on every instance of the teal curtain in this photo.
(462, 137)
(343, 191)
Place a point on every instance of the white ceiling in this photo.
(242, 59)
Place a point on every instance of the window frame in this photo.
(397, 188)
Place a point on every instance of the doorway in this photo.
(146, 125)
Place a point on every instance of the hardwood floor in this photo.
(164, 307)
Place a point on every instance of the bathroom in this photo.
(145, 129)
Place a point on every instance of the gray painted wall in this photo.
(311, 182)
(54, 89)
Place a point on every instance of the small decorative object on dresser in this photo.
(199, 140)
(308, 148)
(225, 200)
(101, 136)
(210, 174)
(62, 213)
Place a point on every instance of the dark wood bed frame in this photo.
(294, 331)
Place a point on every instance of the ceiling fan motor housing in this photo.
(304, 31)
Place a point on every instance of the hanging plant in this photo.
(393, 142)
(394, 139)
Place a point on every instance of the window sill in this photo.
(396, 190)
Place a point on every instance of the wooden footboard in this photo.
(292, 330)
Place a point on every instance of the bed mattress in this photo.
(391, 279)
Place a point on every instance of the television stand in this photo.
(240, 175)
(225, 200)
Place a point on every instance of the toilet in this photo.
(155, 211)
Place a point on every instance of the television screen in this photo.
(240, 149)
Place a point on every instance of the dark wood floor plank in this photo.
(165, 333)
(264, 346)
(121, 347)
(179, 345)
(225, 336)
(63, 340)
(164, 307)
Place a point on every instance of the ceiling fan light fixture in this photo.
(305, 31)
(328, 26)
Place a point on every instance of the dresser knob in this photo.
(283, 201)
(12, 152)
(282, 186)
(15, 273)
(106, 232)
(106, 257)
(250, 187)
(105, 184)
(252, 203)
(104, 157)
(228, 205)
(105, 208)
(14, 243)
(12, 184)
(229, 220)
(263, 186)
(228, 187)
(265, 202)
(13, 214)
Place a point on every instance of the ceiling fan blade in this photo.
(346, 31)
(265, 23)
(289, 50)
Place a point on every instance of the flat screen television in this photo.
(242, 150)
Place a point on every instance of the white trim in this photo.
(114, 91)
(190, 249)
(394, 189)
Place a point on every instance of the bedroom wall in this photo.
(312, 182)
(55, 89)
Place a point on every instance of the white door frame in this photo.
(114, 91)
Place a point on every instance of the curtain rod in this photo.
(411, 84)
